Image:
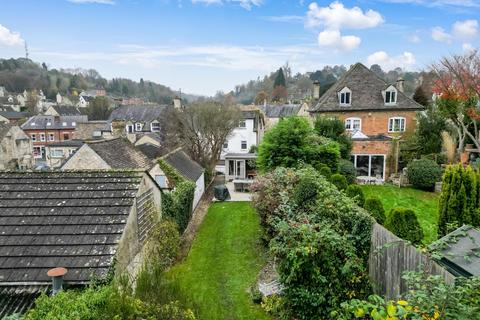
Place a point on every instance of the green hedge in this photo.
(177, 204)
(423, 174)
(347, 169)
(355, 192)
(375, 207)
(339, 181)
(404, 224)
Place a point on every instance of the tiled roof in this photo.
(152, 151)
(62, 219)
(184, 164)
(366, 89)
(85, 130)
(18, 299)
(120, 154)
(280, 111)
(140, 114)
(67, 110)
(62, 122)
(10, 113)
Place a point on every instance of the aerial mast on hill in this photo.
(26, 50)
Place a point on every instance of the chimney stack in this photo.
(316, 89)
(400, 82)
(57, 279)
(177, 103)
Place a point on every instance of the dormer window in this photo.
(49, 124)
(138, 127)
(390, 95)
(345, 97)
(64, 124)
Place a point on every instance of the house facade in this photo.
(376, 114)
(46, 130)
(15, 148)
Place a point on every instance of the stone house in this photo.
(93, 130)
(63, 225)
(57, 153)
(273, 113)
(62, 110)
(10, 115)
(15, 148)
(377, 115)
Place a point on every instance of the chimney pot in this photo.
(177, 103)
(57, 279)
(400, 83)
(316, 89)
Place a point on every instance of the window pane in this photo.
(347, 98)
(356, 124)
(387, 97)
(342, 98)
(362, 165)
(377, 167)
(393, 96)
(348, 124)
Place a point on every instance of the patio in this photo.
(237, 195)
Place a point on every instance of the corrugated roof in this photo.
(366, 89)
(62, 219)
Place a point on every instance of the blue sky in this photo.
(202, 46)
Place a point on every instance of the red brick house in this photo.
(376, 114)
(46, 130)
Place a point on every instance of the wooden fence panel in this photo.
(390, 257)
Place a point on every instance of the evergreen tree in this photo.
(280, 79)
(420, 97)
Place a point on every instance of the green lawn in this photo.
(223, 263)
(425, 205)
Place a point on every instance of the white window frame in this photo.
(60, 153)
(388, 93)
(51, 136)
(42, 137)
(138, 126)
(33, 137)
(246, 145)
(242, 124)
(391, 124)
(343, 93)
(349, 124)
(130, 126)
(156, 123)
(355, 155)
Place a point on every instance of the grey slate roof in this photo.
(280, 111)
(184, 164)
(139, 114)
(120, 154)
(18, 299)
(366, 89)
(9, 113)
(41, 122)
(67, 110)
(152, 151)
(62, 219)
(459, 250)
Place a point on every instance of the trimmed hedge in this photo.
(355, 192)
(404, 224)
(177, 204)
(339, 181)
(375, 207)
(423, 174)
(325, 171)
(347, 169)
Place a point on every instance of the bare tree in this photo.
(457, 84)
(201, 129)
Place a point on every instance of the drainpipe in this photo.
(57, 279)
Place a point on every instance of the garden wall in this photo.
(390, 257)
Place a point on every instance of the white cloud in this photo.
(468, 47)
(10, 38)
(247, 4)
(333, 39)
(414, 38)
(92, 1)
(284, 18)
(406, 60)
(439, 34)
(465, 29)
(336, 16)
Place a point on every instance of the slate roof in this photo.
(280, 111)
(152, 151)
(41, 122)
(366, 89)
(139, 114)
(18, 299)
(67, 110)
(10, 113)
(120, 154)
(62, 219)
(184, 164)
(460, 251)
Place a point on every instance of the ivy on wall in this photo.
(177, 204)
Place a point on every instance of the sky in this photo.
(203, 46)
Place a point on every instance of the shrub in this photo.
(326, 172)
(163, 244)
(375, 207)
(347, 169)
(423, 174)
(404, 224)
(334, 129)
(355, 192)
(339, 181)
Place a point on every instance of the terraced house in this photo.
(376, 113)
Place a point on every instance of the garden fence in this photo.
(391, 256)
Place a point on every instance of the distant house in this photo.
(52, 219)
(61, 110)
(15, 148)
(45, 130)
(82, 102)
(374, 112)
(93, 130)
(135, 120)
(154, 138)
(458, 252)
(9, 115)
(181, 162)
(273, 113)
(116, 153)
(56, 154)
